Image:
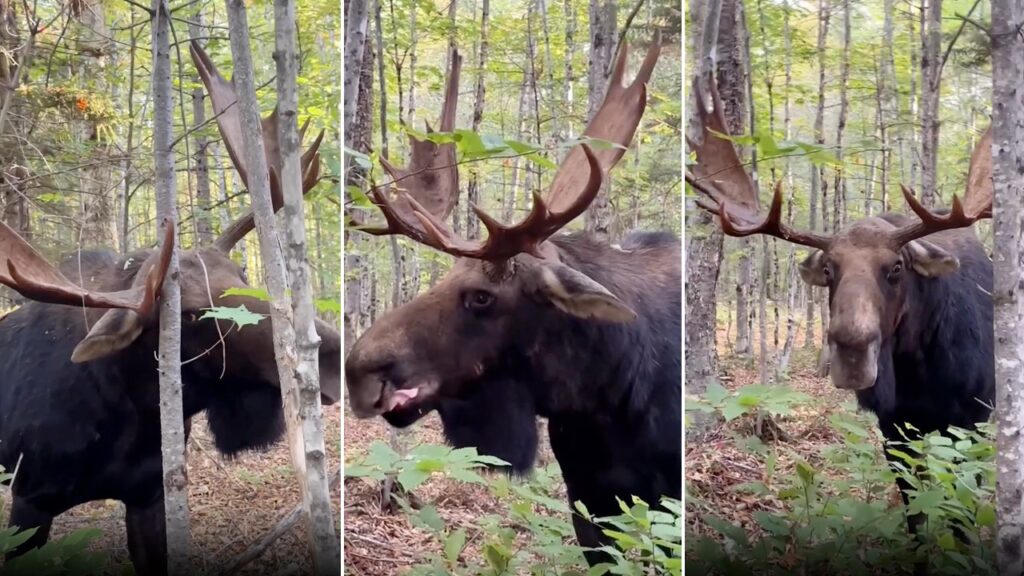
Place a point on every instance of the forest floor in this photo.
(718, 464)
(233, 502)
(379, 542)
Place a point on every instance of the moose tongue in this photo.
(401, 397)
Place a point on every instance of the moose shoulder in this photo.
(910, 307)
(79, 387)
(530, 323)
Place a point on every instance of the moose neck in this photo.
(588, 365)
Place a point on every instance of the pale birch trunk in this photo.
(299, 385)
(172, 419)
(1008, 212)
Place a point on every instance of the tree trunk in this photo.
(704, 242)
(602, 48)
(172, 418)
(473, 190)
(1008, 208)
(355, 44)
(839, 189)
(299, 386)
(357, 137)
(301, 392)
(792, 282)
(204, 224)
(570, 53)
(914, 156)
(930, 78)
(817, 176)
(99, 214)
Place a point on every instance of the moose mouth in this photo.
(404, 404)
(854, 368)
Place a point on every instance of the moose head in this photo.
(868, 268)
(493, 302)
(121, 301)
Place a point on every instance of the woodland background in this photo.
(77, 171)
(841, 101)
(532, 73)
(76, 126)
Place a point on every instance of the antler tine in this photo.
(728, 191)
(27, 272)
(223, 100)
(431, 179)
(615, 121)
(772, 225)
(977, 203)
(420, 216)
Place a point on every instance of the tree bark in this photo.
(839, 189)
(703, 241)
(301, 393)
(1008, 212)
(204, 223)
(602, 48)
(570, 53)
(99, 215)
(473, 190)
(817, 176)
(357, 137)
(355, 43)
(172, 418)
(931, 74)
(292, 345)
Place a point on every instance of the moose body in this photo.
(938, 371)
(910, 307)
(529, 323)
(79, 385)
(79, 432)
(610, 392)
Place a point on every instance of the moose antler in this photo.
(223, 99)
(576, 184)
(977, 203)
(26, 271)
(730, 192)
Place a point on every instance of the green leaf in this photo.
(325, 305)
(240, 315)
(411, 478)
(257, 293)
(926, 501)
(429, 516)
(986, 515)
(715, 393)
(453, 545)
(805, 472)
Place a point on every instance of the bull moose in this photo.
(79, 390)
(528, 323)
(910, 326)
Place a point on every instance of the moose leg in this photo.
(147, 537)
(25, 516)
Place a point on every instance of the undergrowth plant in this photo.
(647, 541)
(67, 556)
(835, 514)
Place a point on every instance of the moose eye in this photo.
(826, 269)
(478, 300)
(894, 272)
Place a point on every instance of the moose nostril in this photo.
(853, 339)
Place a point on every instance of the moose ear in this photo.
(812, 271)
(929, 259)
(114, 331)
(575, 293)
